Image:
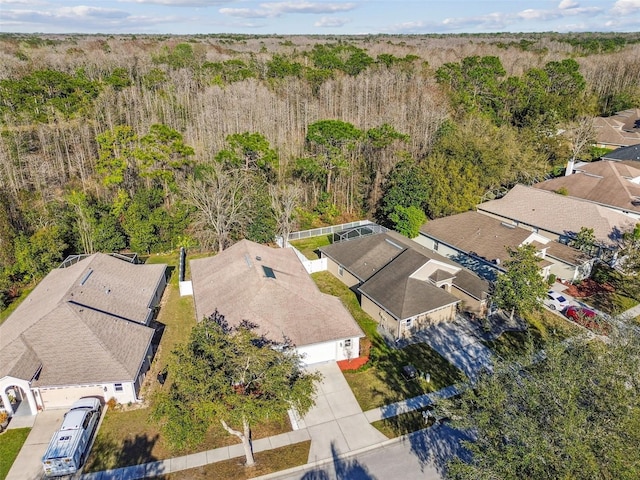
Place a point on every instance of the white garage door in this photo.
(64, 397)
(320, 352)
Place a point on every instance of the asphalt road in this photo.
(421, 455)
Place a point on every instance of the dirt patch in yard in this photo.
(589, 288)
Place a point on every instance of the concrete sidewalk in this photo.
(335, 423)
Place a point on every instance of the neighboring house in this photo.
(615, 185)
(619, 130)
(404, 286)
(630, 155)
(270, 288)
(82, 331)
(480, 242)
(558, 217)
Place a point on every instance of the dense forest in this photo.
(147, 143)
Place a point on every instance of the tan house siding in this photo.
(341, 274)
(470, 304)
(385, 320)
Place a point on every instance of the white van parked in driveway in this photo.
(69, 446)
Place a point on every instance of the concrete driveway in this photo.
(457, 343)
(28, 464)
(336, 422)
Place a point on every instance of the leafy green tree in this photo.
(522, 288)
(38, 253)
(234, 376)
(251, 152)
(116, 164)
(629, 251)
(280, 67)
(574, 414)
(407, 220)
(163, 156)
(407, 186)
(585, 240)
(119, 79)
(333, 143)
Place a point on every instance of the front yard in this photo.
(381, 382)
(127, 435)
(11, 442)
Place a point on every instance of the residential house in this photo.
(615, 185)
(619, 130)
(402, 285)
(629, 155)
(480, 243)
(558, 217)
(270, 288)
(83, 331)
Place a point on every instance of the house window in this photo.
(435, 246)
(340, 270)
(118, 387)
(347, 343)
(409, 322)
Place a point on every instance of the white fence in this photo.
(316, 232)
(311, 266)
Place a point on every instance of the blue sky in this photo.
(317, 16)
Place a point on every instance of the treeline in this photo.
(149, 143)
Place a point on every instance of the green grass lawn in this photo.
(4, 314)
(381, 381)
(127, 435)
(309, 246)
(543, 327)
(11, 442)
(402, 424)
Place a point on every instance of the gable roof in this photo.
(606, 182)
(402, 295)
(385, 263)
(621, 129)
(82, 324)
(628, 154)
(477, 234)
(236, 283)
(559, 214)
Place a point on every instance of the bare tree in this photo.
(222, 202)
(581, 133)
(284, 200)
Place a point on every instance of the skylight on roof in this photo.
(86, 277)
(268, 272)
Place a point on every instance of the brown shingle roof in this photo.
(621, 129)
(402, 296)
(473, 232)
(605, 182)
(82, 343)
(559, 214)
(236, 283)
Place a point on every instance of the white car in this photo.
(556, 301)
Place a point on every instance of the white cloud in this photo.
(625, 7)
(246, 13)
(180, 3)
(331, 22)
(83, 11)
(564, 4)
(277, 9)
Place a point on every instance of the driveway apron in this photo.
(337, 420)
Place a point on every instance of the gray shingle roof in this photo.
(559, 214)
(70, 324)
(630, 153)
(403, 296)
(365, 256)
(620, 129)
(235, 283)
